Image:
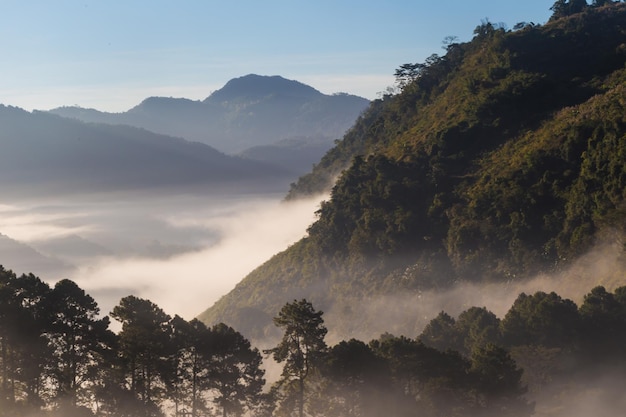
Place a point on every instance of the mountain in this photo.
(297, 154)
(503, 159)
(45, 153)
(71, 248)
(23, 259)
(248, 111)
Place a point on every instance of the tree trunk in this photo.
(5, 380)
(301, 399)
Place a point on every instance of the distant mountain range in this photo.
(248, 112)
(23, 258)
(46, 153)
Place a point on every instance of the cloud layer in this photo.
(182, 253)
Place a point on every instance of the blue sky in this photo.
(110, 55)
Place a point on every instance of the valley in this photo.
(454, 247)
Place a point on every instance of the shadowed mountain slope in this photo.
(45, 153)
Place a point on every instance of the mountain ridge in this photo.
(252, 110)
(47, 153)
(500, 160)
(254, 86)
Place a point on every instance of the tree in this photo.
(541, 319)
(476, 328)
(355, 380)
(499, 383)
(216, 363)
(423, 377)
(563, 8)
(407, 73)
(78, 338)
(8, 313)
(473, 328)
(24, 352)
(145, 350)
(603, 320)
(441, 333)
(236, 376)
(485, 29)
(301, 348)
(193, 343)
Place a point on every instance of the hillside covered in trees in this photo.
(546, 356)
(501, 159)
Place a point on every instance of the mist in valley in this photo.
(180, 251)
(183, 252)
(407, 313)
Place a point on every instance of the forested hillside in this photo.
(546, 356)
(504, 158)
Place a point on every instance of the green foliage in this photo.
(436, 382)
(377, 207)
(79, 341)
(24, 351)
(603, 317)
(473, 329)
(500, 390)
(541, 319)
(545, 340)
(441, 333)
(235, 373)
(58, 358)
(564, 8)
(144, 350)
(301, 349)
(502, 159)
(355, 381)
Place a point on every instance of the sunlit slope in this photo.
(502, 159)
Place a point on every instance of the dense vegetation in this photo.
(501, 159)
(58, 357)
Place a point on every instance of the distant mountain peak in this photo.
(253, 86)
(252, 110)
(164, 104)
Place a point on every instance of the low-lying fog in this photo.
(181, 252)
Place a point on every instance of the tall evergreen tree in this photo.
(79, 339)
(603, 321)
(145, 350)
(236, 373)
(498, 384)
(24, 352)
(356, 381)
(301, 348)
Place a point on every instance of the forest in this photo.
(59, 357)
(500, 160)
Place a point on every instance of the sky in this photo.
(110, 55)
